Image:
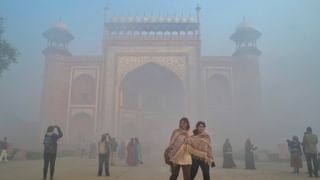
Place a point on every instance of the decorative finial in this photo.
(198, 8)
(105, 9)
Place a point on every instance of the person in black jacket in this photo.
(50, 149)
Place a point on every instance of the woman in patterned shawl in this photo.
(176, 155)
(295, 153)
(199, 145)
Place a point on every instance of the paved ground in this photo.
(85, 169)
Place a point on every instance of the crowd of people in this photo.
(188, 150)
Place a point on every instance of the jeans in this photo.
(312, 157)
(175, 169)
(49, 158)
(204, 167)
(104, 160)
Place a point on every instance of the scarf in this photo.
(200, 146)
(178, 139)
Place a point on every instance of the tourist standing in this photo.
(138, 153)
(50, 149)
(114, 147)
(227, 155)
(199, 145)
(294, 147)
(131, 153)
(104, 154)
(176, 155)
(309, 143)
(249, 156)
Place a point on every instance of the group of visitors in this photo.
(189, 151)
(228, 161)
(107, 150)
(308, 147)
(134, 156)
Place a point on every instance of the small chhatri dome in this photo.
(58, 38)
(58, 33)
(245, 33)
(245, 38)
(61, 25)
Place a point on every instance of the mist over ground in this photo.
(289, 64)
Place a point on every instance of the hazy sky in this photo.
(290, 45)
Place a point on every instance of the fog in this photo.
(289, 75)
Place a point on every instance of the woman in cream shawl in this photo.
(199, 145)
(176, 155)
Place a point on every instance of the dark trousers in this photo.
(104, 161)
(49, 158)
(204, 167)
(312, 157)
(175, 169)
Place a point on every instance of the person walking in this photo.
(294, 147)
(50, 149)
(104, 154)
(199, 145)
(176, 155)
(309, 144)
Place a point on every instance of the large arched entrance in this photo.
(151, 101)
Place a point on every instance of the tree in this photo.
(8, 53)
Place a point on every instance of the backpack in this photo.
(48, 144)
